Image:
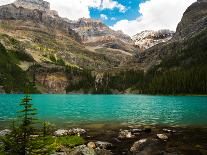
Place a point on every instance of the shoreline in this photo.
(141, 140)
(167, 95)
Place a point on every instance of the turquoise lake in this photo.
(128, 109)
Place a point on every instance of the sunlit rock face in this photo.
(33, 4)
(150, 38)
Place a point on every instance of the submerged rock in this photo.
(162, 136)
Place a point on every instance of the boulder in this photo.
(143, 144)
(61, 132)
(102, 152)
(91, 145)
(5, 132)
(124, 134)
(103, 145)
(82, 150)
(77, 131)
(162, 136)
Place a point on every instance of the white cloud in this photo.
(155, 15)
(75, 9)
(103, 17)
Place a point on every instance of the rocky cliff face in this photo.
(50, 78)
(92, 30)
(147, 39)
(38, 11)
(33, 4)
(194, 20)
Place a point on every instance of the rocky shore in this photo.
(135, 140)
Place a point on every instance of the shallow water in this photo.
(125, 109)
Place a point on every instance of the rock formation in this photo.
(147, 39)
(33, 4)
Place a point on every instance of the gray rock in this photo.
(102, 152)
(82, 150)
(5, 132)
(143, 144)
(61, 132)
(76, 131)
(124, 134)
(103, 145)
(162, 136)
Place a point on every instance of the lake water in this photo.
(129, 109)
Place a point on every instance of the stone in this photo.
(82, 150)
(103, 145)
(77, 131)
(61, 132)
(102, 152)
(162, 136)
(143, 144)
(124, 134)
(91, 145)
(5, 132)
(169, 131)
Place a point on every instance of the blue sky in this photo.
(131, 13)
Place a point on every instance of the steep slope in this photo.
(12, 78)
(147, 39)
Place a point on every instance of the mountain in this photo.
(33, 23)
(57, 55)
(147, 39)
(57, 45)
(193, 22)
(179, 66)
